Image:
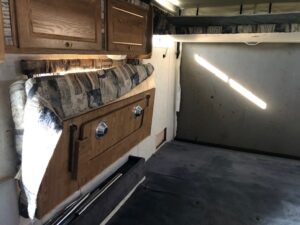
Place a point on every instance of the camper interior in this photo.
(149, 112)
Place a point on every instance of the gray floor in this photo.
(197, 185)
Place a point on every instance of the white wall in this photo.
(8, 198)
(163, 117)
(8, 73)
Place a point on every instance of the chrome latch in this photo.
(101, 130)
(138, 111)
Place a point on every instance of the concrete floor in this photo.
(191, 184)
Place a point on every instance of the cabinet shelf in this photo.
(253, 38)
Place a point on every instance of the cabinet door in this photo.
(59, 24)
(127, 27)
(125, 127)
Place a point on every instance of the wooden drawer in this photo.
(117, 124)
(80, 156)
(125, 130)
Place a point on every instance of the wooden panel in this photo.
(58, 184)
(161, 138)
(149, 32)
(59, 24)
(43, 21)
(121, 123)
(127, 27)
(33, 67)
(1, 38)
(89, 167)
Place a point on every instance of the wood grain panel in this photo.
(59, 24)
(123, 116)
(149, 31)
(57, 183)
(88, 167)
(126, 132)
(127, 26)
(59, 18)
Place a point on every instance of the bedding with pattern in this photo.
(40, 105)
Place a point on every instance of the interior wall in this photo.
(164, 116)
(9, 71)
(212, 111)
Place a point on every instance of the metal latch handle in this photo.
(101, 130)
(138, 111)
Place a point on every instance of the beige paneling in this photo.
(286, 7)
(224, 10)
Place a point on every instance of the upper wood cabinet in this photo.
(127, 27)
(59, 24)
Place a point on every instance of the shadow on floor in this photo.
(191, 184)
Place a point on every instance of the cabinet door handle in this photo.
(128, 12)
(138, 111)
(127, 43)
(101, 130)
(68, 44)
(73, 152)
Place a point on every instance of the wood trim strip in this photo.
(127, 43)
(73, 151)
(128, 12)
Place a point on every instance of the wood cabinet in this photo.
(127, 27)
(124, 130)
(81, 27)
(81, 154)
(1, 38)
(59, 24)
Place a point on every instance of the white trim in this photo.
(251, 39)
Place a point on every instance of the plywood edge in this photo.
(252, 38)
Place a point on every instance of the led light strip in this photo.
(167, 4)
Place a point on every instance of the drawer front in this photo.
(110, 129)
(124, 131)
